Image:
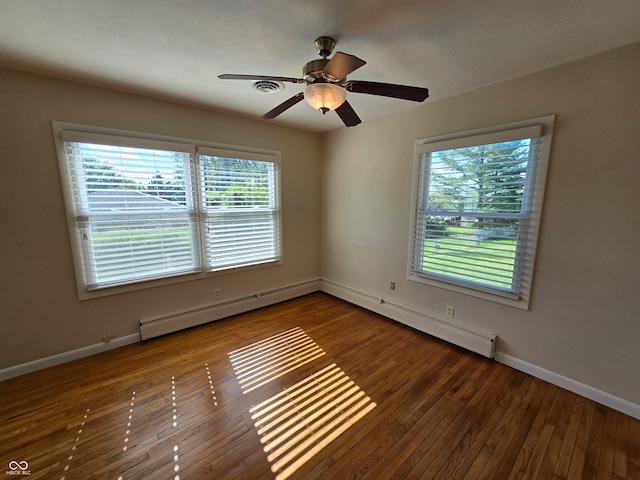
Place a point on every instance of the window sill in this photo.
(521, 303)
(84, 294)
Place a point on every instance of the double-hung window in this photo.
(144, 208)
(477, 206)
(240, 209)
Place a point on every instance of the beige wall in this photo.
(39, 307)
(584, 317)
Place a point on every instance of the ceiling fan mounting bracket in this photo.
(324, 46)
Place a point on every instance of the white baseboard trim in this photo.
(458, 334)
(441, 328)
(65, 357)
(604, 398)
(224, 310)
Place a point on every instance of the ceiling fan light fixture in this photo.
(324, 96)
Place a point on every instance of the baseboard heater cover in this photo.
(483, 343)
(164, 324)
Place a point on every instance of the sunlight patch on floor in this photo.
(300, 421)
(263, 361)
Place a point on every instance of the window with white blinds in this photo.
(478, 200)
(146, 209)
(240, 205)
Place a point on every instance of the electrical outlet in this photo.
(107, 338)
(392, 284)
(450, 311)
(216, 293)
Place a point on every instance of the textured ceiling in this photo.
(175, 49)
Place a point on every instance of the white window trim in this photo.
(68, 131)
(542, 126)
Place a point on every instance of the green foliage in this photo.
(231, 182)
(485, 178)
(172, 190)
(435, 226)
(99, 175)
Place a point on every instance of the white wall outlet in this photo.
(216, 293)
(392, 284)
(450, 311)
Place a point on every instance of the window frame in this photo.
(230, 212)
(63, 131)
(526, 247)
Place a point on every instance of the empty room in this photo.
(298, 240)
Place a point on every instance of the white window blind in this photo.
(144, 208)
(477, 210)
(241, 208)
(134, 208)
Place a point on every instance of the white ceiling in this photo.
(175, 49)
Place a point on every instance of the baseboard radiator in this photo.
(161, 325)
(483, 343)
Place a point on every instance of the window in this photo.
(241, 209)
(478, 200)
(144, 208)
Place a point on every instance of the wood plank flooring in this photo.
(313, 388)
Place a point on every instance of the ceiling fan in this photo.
(327, 85)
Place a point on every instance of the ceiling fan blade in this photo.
(233, 76)
(405, 92)
(348, 115)
(283, 106)
(341, 65)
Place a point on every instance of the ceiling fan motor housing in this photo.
(312, 70)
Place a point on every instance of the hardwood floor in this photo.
(329, 390)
